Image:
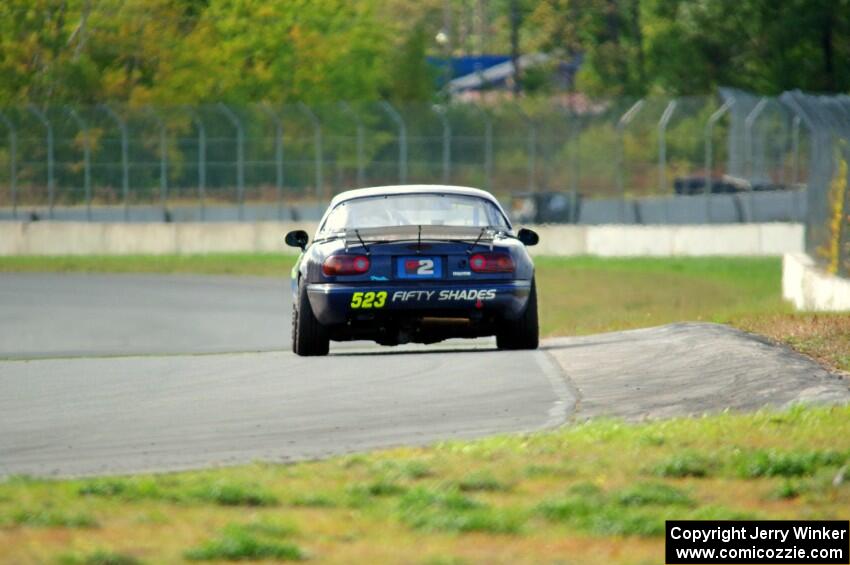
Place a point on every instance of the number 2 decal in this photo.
(426, 267)
(369, 299)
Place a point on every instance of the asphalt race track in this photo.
(124, 373)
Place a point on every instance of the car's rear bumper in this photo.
(337, 303)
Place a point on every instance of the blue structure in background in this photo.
(465, 65)
(483, 72)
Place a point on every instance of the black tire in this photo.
(524, 332)
(309, 337)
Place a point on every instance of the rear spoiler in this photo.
(417, 232)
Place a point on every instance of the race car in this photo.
(421, 263)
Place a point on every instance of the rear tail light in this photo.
(346, 265)
(491, 263)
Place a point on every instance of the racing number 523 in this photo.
(369, 299)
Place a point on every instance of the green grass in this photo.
(264, 264)
(589, 295)
(48, 518)
(684, 464)
(443, 509)
(776, 463)
(478, 482)
(216, 491)
(578, 295)
(99, 557)
(597, 491)
(246, 543)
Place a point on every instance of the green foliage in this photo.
(774, 463)
(99, 557)
(126, 489)
(175, 52)
(412, 79)
(314, 500)
(645, 494)
(226, 493)
(245, 543)
(188, 51)
(683, 464)
(222, 493)
(482, 481)
(442, 509)
(636, 510)
(637, 47)
(412, 470)
(382, 487)
(49, 518)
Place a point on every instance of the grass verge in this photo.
(597, 492)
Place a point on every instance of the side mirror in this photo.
(528, 237)
(297, 238)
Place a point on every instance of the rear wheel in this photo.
(523, 333)
(309, 337)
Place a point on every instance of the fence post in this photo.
(447, 141)
(51, 181)
(624, 121)
(749, 121)
(317, 145)
(402, 140)
(202, 161)
(709, 129)
(240, 156)
(815, 136)
(575, 165)
(278, 155)
(795, 149)
(86, 157)
(13, 162)
(662, 146)
(359, 140)
(163, 162)
(125, 157)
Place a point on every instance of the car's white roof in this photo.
(411, 189)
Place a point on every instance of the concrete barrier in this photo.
(810, 288)
(672, 240)
(82, 238)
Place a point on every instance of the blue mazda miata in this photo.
(421, 263)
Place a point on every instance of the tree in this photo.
(412, 79)
(38, 59)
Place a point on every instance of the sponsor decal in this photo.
(461, 274)
(412, 295)
(471, 294)
(367, 300)
(377, 278)
(419, 266)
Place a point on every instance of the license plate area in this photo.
(419, 267)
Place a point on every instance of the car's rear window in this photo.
(427, 209)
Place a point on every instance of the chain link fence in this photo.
(827, 121)
(735, 157)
